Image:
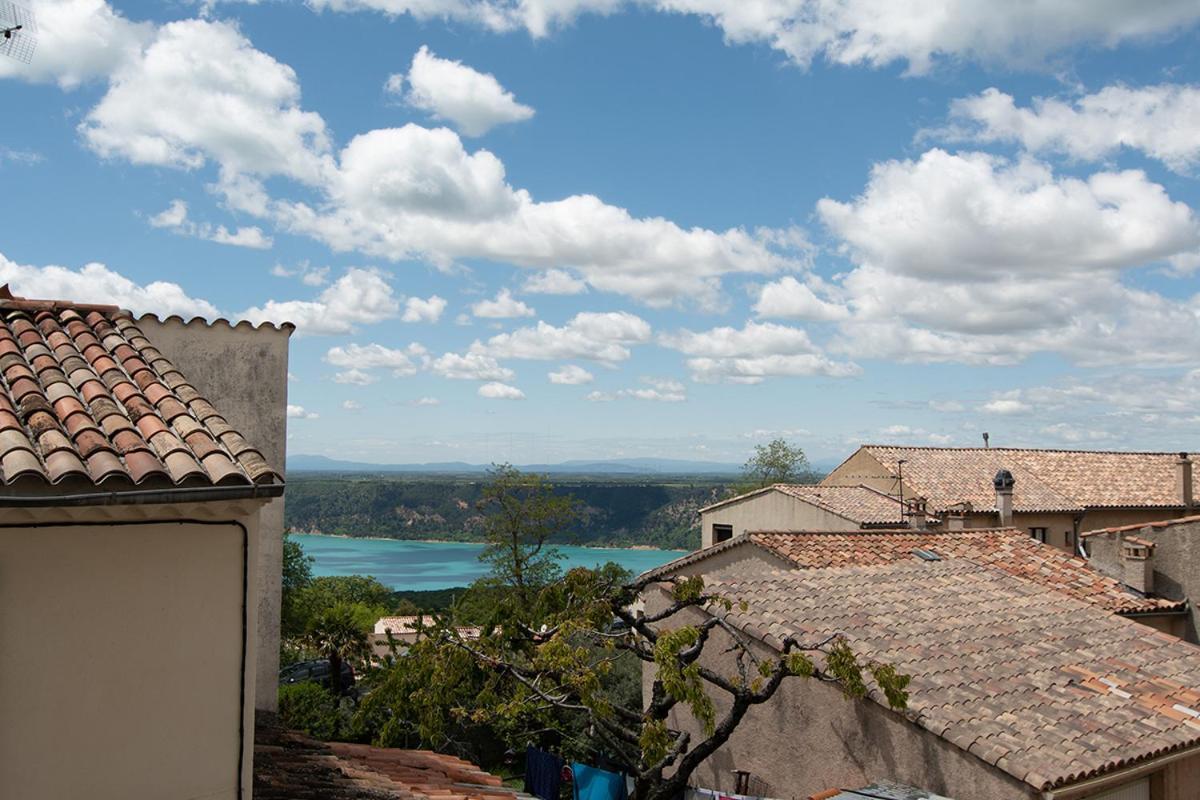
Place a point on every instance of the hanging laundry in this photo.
(597, 784)
(543, 773)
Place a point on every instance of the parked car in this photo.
(315, 671)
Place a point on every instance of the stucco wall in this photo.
(809, 738)
(863, 469)
(121, 659)
(770, 511)
(243, 372)
(1176, 563)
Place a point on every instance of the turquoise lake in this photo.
(440, 565)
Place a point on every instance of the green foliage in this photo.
(684, 682)
(310, 708)
(522, 514)
(297, 574)
(893, 684)
(776, 462)
(339, 633)
(613, 513)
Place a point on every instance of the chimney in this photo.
(1137, 564)
(956, 520)
(916, 514)
(1183, 481)
(1004, 497)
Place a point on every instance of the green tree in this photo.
(553, 670)
(522, 514)
(339, 633)
(776, 462)
(297, 574)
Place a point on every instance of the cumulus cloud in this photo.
(753, 353)
(175, 219)
(553, 281)
(571, 375)
(308, 275)
(201, 92)
(79, 40)
(503, 306)
(355, 377)
(427, 309)
(372, 356)
(500, 391)
(299, 412)
(474, 102)
(977, 259)
(1007, 403)
(96, 283)
(359, 297)
(471, 367)
(604, 337)
(849, 32)
(1159, 121)
(659, 390)
(790, 298)
(352, 405)
(426, 401)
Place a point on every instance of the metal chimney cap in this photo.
(1003, 480)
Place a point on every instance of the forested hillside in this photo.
(618, 513)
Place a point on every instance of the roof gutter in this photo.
(1083, 788)
(177, 494)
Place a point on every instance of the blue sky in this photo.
(534, 231)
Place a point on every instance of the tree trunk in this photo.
(335, 673)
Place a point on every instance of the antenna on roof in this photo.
(900, 482)
(985, 439)
(18, 31)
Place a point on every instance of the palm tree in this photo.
(337, 633)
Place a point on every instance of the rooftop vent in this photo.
(1003, 480)
(926, 555)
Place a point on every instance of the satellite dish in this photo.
(18, 31)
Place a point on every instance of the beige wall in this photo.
(243, 372)
(121, 657)
(770, 511)
(863, 469)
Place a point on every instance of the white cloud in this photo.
(308, 275)
(412, 192)
(96, 283)
(553, 281)
(788, 297)
(470, 367)
(426, 401)
(359, 297)
(474, 102)
(25, 158)
(1008, 403)
(78, 40)
(372, 356)
(355, 377)
(500, 391)
(201, 92)
(175, 218)
(603, 337)
(946, 406)
(298, 412)
(1160, 121)
(972, 258)
(571, 375)
(753, 353)
(428, 309)
(352, 405)
(504, 306)
(660, 390)
(850, 32)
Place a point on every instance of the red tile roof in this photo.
(859, 504)
(1046, 480)
(1166, 523)
(87, 401)
(1006, 549)
(1044, 687)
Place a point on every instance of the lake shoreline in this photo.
(647, 547)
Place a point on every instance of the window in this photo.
(722, 533)
(1038, 533)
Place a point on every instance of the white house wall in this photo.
(771, 511)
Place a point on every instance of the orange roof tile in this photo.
(1048, 689)
(1046, 480)
(1166, 523)
(86, 400)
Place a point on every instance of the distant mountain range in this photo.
(628, 466)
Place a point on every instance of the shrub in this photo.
(310, 708)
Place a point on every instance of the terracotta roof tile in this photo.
(1049, 689)
(1046, 480)
(85, 395)
(1166, 523)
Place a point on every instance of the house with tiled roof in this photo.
(789, 506)
(1005, 549)
(141, 492)
(1017, 690)
(1051, 494)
